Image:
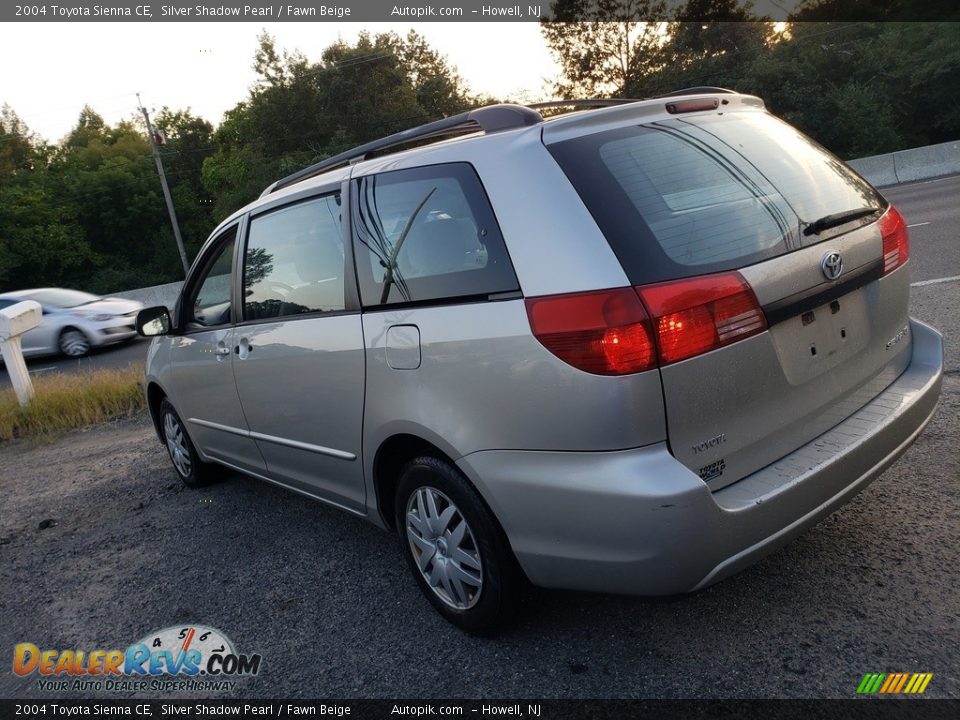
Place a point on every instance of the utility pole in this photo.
(152, 137)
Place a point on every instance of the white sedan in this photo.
(74, 321)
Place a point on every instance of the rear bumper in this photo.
(639, 522)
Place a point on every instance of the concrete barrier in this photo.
(902, 166)
(155, 295)
(927, 162)
(878, 169)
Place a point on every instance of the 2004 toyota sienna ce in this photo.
(629, 349)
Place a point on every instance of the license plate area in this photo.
(815, 341)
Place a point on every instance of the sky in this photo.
(51, 70)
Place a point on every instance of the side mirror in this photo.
(153, 321)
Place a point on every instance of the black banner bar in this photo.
(864, 709)
(468, 11)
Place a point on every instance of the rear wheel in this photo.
(73, 343)
(454, 547)
(191, 469)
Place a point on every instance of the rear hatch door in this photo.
(761, 260)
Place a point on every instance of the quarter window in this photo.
(427, 234)
(293, 264)
(210, 305)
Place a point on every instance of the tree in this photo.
(40, 238)
(90, 126)
(18, 148)
(438, 88)
(601, 46)
(108, 176)
(859, 88)
(862, 10)
(710, 43)
(299, 113)
(189, 141)
(864, 88)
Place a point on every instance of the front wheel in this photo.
(455, 548)
(73, 343)
(190, 468)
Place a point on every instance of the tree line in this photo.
(859, 88)
(87, 212)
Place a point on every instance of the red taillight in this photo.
(896, 241)
(696, 315)
(605, 332)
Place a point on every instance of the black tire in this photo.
(191, 470)
(73, 343)
(478, 610)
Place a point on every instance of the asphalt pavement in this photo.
(932, 212)
(111, 357)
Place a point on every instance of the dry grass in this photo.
(68, 402)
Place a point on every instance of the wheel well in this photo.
(154, 397)
(394, 453)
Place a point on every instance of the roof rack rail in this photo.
(492, 118)
(702, 90)
(592, 103)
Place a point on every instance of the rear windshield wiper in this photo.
(829, 221)
(390, 263)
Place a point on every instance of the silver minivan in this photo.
(629, 349)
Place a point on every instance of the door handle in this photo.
(222, 351)
(244, 348)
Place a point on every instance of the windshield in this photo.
(708, 193)
(57, 297)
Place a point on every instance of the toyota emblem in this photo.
(832, 265)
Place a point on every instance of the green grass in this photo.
(68, 402)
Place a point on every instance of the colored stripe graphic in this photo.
(870, 683)
(894, 683)
(918, 685)
(903, 680)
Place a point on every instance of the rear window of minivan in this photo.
(707, 193)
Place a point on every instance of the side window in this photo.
(293, 263)
(427, 234)
(210, 300)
